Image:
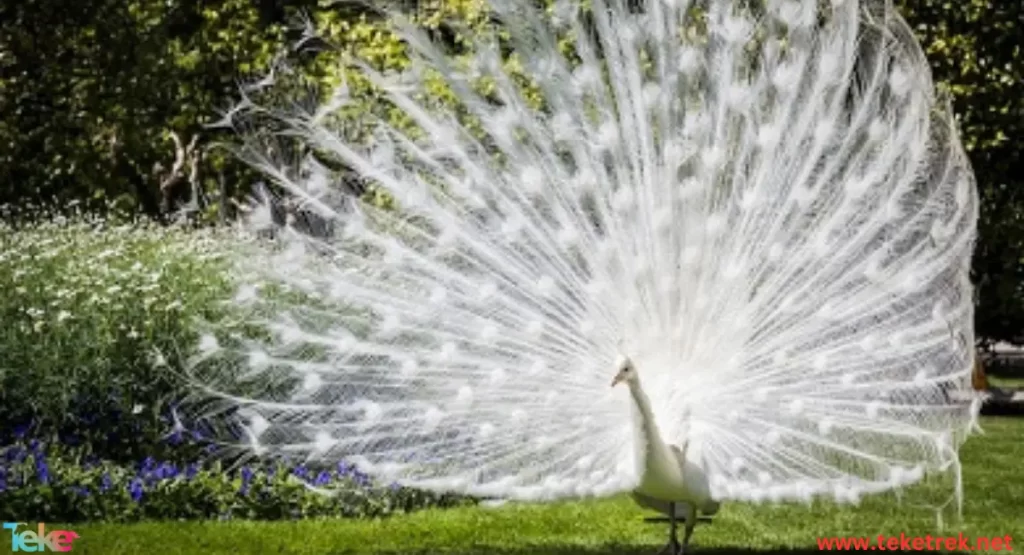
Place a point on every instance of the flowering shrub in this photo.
(54, 483)
(87, 307)
(92, 311)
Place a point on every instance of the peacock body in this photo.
(763, 205)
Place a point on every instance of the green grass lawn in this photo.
(1010, 382)
(994, 506)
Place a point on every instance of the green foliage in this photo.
(91, 92)
(56, 484)
(975, 51)
(89, 305)
(100, 313)
(353, 40)
(994, 501)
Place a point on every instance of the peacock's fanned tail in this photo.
(764, 204)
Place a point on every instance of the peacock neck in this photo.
(654, 447)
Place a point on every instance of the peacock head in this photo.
(626, 372)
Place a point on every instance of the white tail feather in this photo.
(767, 208)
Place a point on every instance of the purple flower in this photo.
(3, 485)
(80, 491)
(175, 438)
(43, 471)
(322, 479)
(148, 464)
(166, 470)
(300, 471)
(395, 486)
(105, 482)
(197, 435)
(20, 430)
(15, 454)
(35, 446)
(135, 489)
(191, 471)
(247, 474)
(343, 469)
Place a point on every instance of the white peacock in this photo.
(764, 205)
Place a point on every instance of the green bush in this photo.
(88, 308)
(60, 484)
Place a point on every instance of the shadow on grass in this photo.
(610, 549)
(1001, 405)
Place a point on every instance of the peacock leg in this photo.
(690, 523)
(686, 538)
(673, 547)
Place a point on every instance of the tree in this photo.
(975, 50)
(106, 100)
